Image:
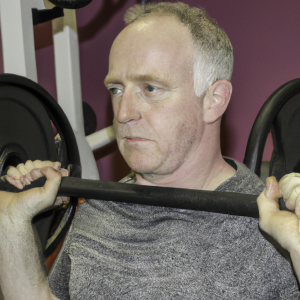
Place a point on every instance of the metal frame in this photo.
(19, 58)
(17, 36)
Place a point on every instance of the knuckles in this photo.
(30, 168)
(289, 185)
(19, 166)
(29, 164)
(293, 201)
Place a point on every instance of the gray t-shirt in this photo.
(128, 251)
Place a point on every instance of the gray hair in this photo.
(213, 50)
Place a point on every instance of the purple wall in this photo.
(265, 38)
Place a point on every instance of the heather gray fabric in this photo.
(128, 252)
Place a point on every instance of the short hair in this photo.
(213, 58)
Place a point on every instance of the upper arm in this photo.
(59, 275)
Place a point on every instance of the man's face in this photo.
(157, 117)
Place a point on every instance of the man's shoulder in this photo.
(243, 181)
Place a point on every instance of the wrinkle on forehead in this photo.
(164, 79)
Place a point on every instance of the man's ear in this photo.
(216, 100)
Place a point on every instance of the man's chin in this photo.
(141, 165)
(142, 169)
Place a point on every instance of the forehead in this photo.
(159, 45)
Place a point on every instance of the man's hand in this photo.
(24, 174)
(25, 205)
(22, 271)
(282, 225)
(20, 176)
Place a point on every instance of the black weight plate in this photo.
(25, 127)
(25, 113)
(25, 122)
(55, 112)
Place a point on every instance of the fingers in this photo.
(268, 201)
(35, 200)
(21, 175)
(41, 164)
(16, 182)
(38, 173)
(288, 183)
(64, 172)
(23, 169)
(53, 179)
(14, 172)
(289, 187)
(272, 190)
(29, 165)
(29, 203)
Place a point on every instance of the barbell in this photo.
(211, 201)
(27, 115)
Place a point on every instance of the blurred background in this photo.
(265, 35)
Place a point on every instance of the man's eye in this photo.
(115, 91)
(150, 89)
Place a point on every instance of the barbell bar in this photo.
(210, 201)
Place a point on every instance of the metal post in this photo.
(17, 36)
(68, 84)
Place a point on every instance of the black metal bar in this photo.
(263, 122)
(44, 15)
(71, 4)
(211, 201)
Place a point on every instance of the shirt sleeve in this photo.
(292, 294)
(59, 275)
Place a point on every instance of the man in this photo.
(169, 73)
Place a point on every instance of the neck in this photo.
(203, 169)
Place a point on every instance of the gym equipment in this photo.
(17, 18)
(218, 202)
(44, 15)
(280, 114)
(89, 118)
(26, 110)
(32, 138)
(26, 133)
(71, 4)
(20, 96)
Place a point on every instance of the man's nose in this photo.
(128, 109)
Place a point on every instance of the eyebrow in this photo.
(140, 78)
(108, 80)
(148, 77)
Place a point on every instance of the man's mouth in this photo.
(135, 139)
